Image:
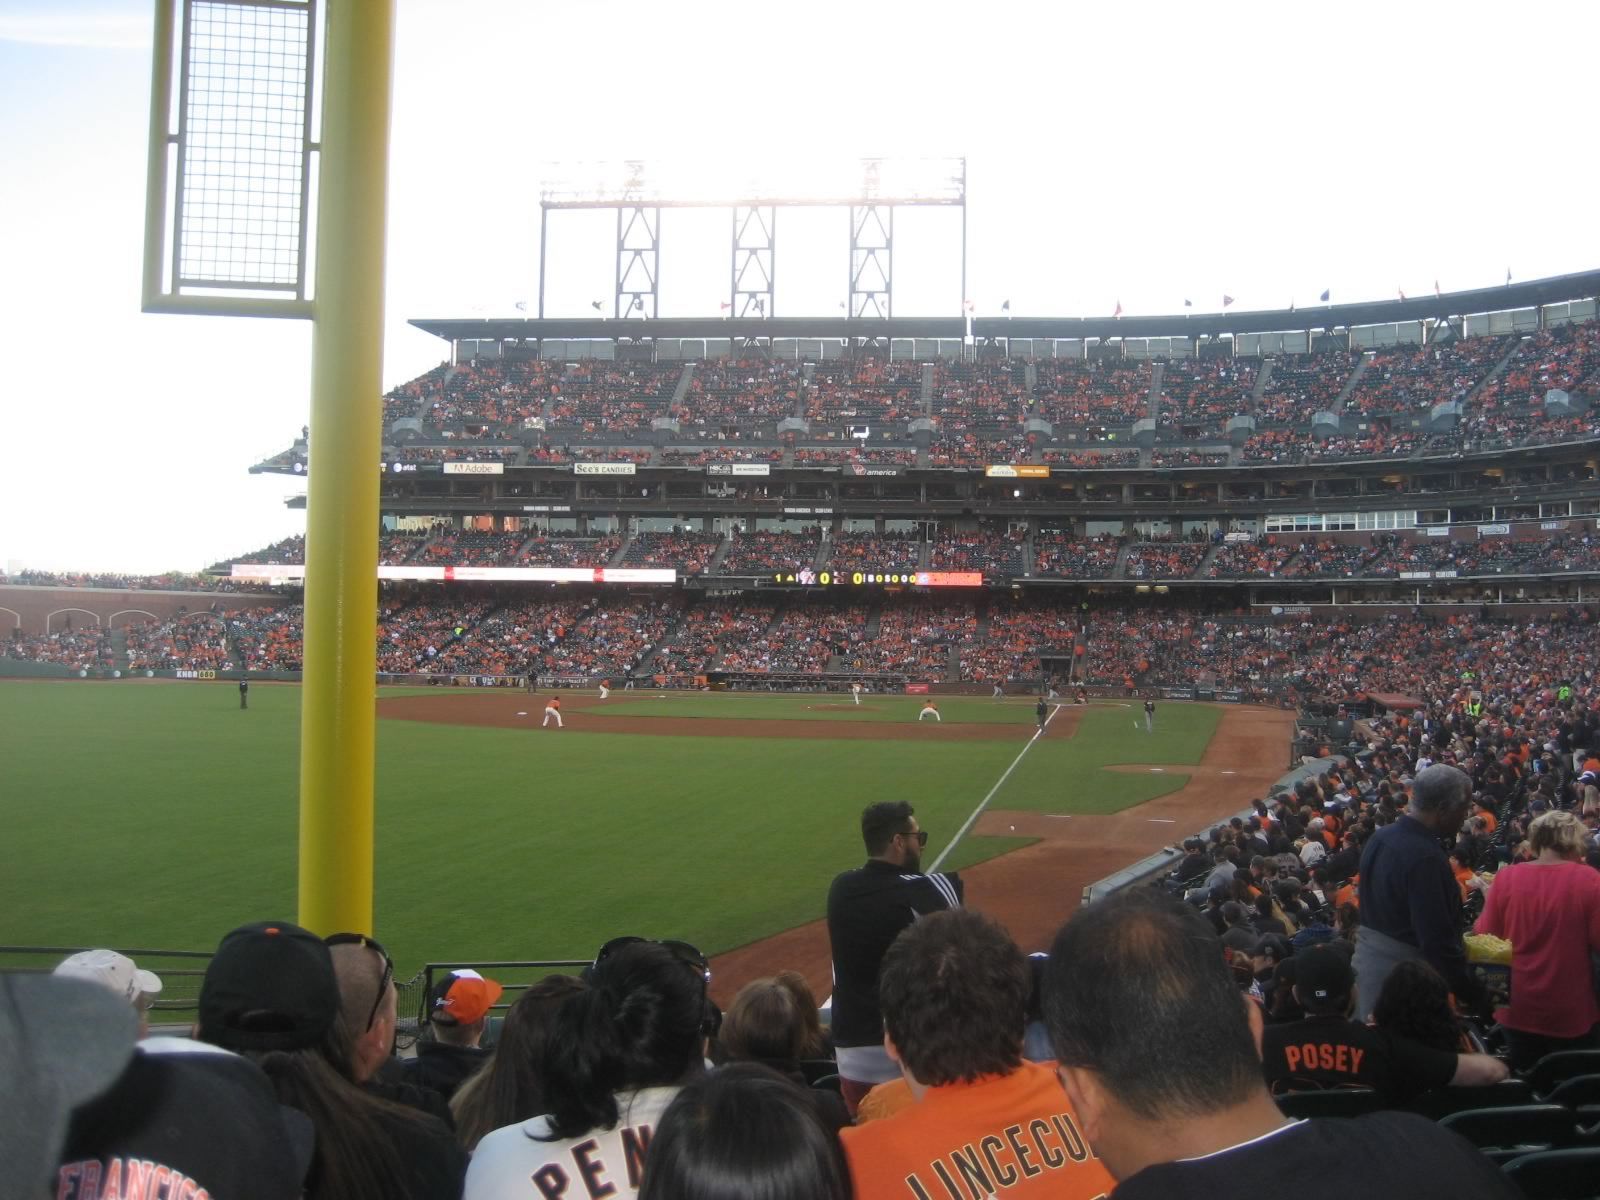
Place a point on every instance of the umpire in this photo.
(244, 694)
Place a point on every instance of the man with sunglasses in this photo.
(368, 1009)
(867, 909)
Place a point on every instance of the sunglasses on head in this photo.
(361, 939)
(682, 951)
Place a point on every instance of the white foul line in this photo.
(984, 803)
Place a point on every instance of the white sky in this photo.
(1136, 152)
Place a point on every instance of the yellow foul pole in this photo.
(341, 597)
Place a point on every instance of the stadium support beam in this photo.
(638, 263)
(337, 722)
(755, 248)
(871, 260)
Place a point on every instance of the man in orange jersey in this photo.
(552, 711)
(954, 992)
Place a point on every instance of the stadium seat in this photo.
(1562, 1064)
(827, 1083)
(1576, 1092)
(818, 1068)
(1505, 1133)
(1333, 1102)
(1572, 1174)
(1441, 1102)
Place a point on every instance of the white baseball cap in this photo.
(110, 970)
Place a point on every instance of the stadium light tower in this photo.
(754, 190)
(235, 144)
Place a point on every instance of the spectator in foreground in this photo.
(743, 1132)
(867, 908)
(270, 994)
(954, 991)
(508, 1090)
(458, 1013)
(764, 1025)
(1158, 1052)
(617, 1054)
(1549, 910)
(1415, 1004)
(368, 1014)
(120, 974)
(1410, 902)
(1328, 1050)
(818, 1042)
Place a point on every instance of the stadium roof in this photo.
(1554, 290)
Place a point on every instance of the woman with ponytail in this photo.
(616, 1055)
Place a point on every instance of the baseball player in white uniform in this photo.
(855, 691)
(930, 709)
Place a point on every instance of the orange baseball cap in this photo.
(463, 997)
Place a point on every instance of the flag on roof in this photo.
(1436, 291)
(1508, 274)
(1006, 307)
(1226, 300)
(1188, 303)
(1402, 292)
(1118, 311)
(968, 305)
(1326, 292)
(724, 306)
(522, 306)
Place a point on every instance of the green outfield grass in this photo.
(161, 815)
(958, 710)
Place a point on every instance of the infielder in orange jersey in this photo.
(605, 688)
(552, 711)
(930, 709)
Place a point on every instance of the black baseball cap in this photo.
(270, 986)
(1323, 977)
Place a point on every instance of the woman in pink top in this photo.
(1549, 910)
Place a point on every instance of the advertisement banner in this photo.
(1438, 531)
(474, 468)
(1416, 574)
(604, 468)
(1230, 695)
(284, 573)
(1494, 530)
(739, 469)
(1552, 526)
(916, 689)
(1450, 574)
(808, 578)
(1178, 693)
(863, 469)
(1018, 471)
